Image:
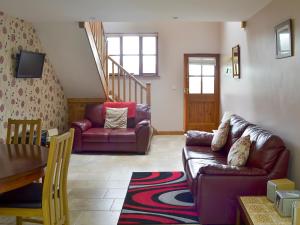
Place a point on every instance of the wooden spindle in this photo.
(141, 92)
(135, 91)
(148, 93)
(113, 81)
(119, 71)
(124, 86)
(129, 88)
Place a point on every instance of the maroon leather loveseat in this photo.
(90, 136)
(215, 185)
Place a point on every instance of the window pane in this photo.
(195, 85)
(208, 70)
(208, 85)
(149, 45)
(149, 64)
(117, 59)
(131, 44)
(194, 69)
(131, 64)
(113, 45)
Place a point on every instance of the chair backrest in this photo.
(55, 203)
(17, 132)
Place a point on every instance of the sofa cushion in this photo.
(96, 135)
(93, 113)
(193, 166)
(116, 118)
(237, 127)
(201, 152)
(220, 137)
(198, 138)
(122, 135)
(265, 148)
(239, 152)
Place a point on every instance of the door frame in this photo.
(185, 83)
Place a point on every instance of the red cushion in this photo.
(130, 105)
(122, 135)
(96, 135)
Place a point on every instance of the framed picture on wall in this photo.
(236, 62)
(284, 39)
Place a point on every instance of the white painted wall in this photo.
(268, 91)
(69, 51)
(174, 39)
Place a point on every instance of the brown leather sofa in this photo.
(215, 185)
(91, 136)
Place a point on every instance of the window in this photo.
(201, 72)
(137, 53)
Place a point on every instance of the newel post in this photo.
(148, 94)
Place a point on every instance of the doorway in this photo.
(201, 91)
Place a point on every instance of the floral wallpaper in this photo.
(27, 98)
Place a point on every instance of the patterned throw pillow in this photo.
(239, 152)
(116, 118)
(220, 136)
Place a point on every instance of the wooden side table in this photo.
(258, 210)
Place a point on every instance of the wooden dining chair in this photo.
(17, 132)
(48, 200)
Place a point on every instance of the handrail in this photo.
(129, 74)
(93, 38)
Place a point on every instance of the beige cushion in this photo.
(239, 152)
(116, 118)
(220, 136)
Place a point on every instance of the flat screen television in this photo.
(30, 64)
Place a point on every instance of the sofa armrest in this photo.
(221, 193)
(83, 125)
(141, 125)
(79, 126)
(143, 131)
(195, 138)
(226, 170)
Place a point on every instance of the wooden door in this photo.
(201, 91)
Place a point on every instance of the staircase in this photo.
(118, 85)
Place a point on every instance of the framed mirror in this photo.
(236, 65)
(284, 41)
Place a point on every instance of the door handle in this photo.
(185, 90)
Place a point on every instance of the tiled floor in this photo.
(98, 183)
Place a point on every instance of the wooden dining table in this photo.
(21, 165)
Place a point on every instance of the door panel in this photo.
(201, 91)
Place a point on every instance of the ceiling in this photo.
(132, 10)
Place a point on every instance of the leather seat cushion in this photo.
(29, 196)
(122, 135)
(192, 167)
(96, 135)
(195, 164)
(201, 152)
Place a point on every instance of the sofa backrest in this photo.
(265, 148)
(93, 112)
(237, 127)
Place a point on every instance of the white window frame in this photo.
(140, 35)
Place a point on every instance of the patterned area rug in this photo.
(158, 198)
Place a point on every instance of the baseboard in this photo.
(169, 132)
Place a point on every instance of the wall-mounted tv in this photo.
(30, 64)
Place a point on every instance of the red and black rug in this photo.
(158, 198)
